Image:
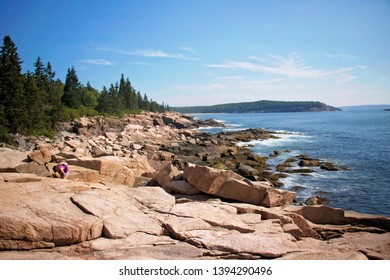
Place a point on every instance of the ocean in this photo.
(357, 138)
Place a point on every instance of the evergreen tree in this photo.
(140, 101)
(103, 101)
(40, 73)
(50, 74)
(112, 96)
(37, 121)
(145, 103)
(12, 96)
(50, 90)
(54, 104)
(133, 102)
(121, 95)
(88, 96)
(71, 97)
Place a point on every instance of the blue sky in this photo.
(188, 52)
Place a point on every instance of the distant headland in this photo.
(262, 106)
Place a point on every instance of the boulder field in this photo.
(151, 186)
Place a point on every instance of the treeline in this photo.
(262, 106)
(34, 102)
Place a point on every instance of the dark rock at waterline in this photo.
(297, 188)
(209, 123)
(309, 162)
(315, 200)
(275, 154)
(291, 159)
(247, 171)
(282, 167)
(331, 167)
(299, 170)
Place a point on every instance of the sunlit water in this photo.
(356, 138)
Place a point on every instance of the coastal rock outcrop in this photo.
(142, 187)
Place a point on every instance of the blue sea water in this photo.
(356, 138)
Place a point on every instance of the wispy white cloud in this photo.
(188, 49)
(253, 57)
(291, 66)
(140, 63)
(97, 61)
(230, 78)
(146, 53)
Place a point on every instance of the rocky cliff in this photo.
(151, 187)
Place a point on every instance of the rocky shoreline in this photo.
(151, 186)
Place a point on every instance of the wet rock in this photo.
(315, 200)
(299, 170)
(330, 167)
(307, 162)
(275, 154)
(247, 171)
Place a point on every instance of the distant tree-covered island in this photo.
(262, 106)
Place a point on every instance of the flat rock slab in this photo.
(120, 217)
(373, 245)
(35, 215)
(262, 245)
(223, 216)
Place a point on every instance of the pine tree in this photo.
(50, 74)
(88, 96)
(121, 95)
(140, 101)
(40, 73)
(37, 121)
(103, 101)
(12, 96)
(50, 90)
(112, 97)
(133, 103)
(54, 91)
(145, 102)
(71, 97)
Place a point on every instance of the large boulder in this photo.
(166, 175)
(41, 156)
(35, 168)
(109, 168)
(320, 214)
(207, 179)
(10, 159)
(227, 184)
(181, 187)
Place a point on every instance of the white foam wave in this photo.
(249, 143)
(208, 127)
(285, 138)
